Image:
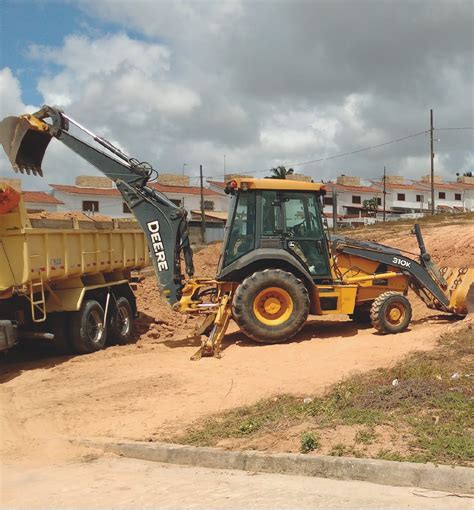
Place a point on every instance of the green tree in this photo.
(371, 205)
(280, 172)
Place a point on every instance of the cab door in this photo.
(304, 234)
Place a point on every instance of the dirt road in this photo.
(152, 390)
(111, 482)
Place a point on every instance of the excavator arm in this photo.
(25, 140)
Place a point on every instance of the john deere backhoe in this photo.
(278, 264)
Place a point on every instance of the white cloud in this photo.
(268, 83)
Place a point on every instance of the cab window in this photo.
(241, 238)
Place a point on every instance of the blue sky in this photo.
(42, 22)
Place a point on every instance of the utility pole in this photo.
(334, 208)
(384, 191)
(224, 167)
(203, 219)
(432, 164)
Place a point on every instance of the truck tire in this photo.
(271, 306)
(121, 322)
(58, 324)
(391, 313)
(87, 327)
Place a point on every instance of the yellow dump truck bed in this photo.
(65, 277)
(43, 251)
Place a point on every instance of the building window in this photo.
(327, 200)
(356, 199)
(90, 206)
(418, 198)
(442, 195)
(176, 202)
(457, 196)
(379, 201)
(125, 208)
(401, 197)
(208, 205)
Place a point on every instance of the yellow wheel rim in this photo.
(273, 306)
(395, 314)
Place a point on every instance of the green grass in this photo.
(431, 412)
(365, 436)
(309, 442)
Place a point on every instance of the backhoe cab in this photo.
(278, 263)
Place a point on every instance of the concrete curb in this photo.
(428, 476)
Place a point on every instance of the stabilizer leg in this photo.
(211, 345)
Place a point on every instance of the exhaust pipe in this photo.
(24, 141)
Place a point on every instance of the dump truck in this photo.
(278, 265)
(66, 280)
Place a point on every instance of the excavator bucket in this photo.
(460, 289)
(25, 140)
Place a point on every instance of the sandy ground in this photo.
(151, 389)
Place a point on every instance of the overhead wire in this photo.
(349, 153)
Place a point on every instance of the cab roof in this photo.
(274, 184)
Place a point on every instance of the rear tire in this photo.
(271, 306)
(391, 313)
(87, 327)
(121, 324)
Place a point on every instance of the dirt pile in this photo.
(451, 245)
(157, 320)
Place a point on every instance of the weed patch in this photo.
(428, 413)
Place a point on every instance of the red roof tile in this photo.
(360, 189)
(394, 186)
(219, 184)
(163, 188)
(442, 185)
(190, 190)
(40, 197)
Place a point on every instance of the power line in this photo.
(349, 153)
(356, 151)
(453, 128)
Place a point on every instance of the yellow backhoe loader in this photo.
(278, 263)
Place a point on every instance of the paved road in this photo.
(128, 483)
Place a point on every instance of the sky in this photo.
(244, 86)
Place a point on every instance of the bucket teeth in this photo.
(29, 170)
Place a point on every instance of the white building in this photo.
(106, 199)
(449, 196)
(351, 195)
(36, 201)
(402, 197)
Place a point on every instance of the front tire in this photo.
(391, 313)
(88, 328)
(271, 306)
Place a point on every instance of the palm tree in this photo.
(280, 172)
(371, 205)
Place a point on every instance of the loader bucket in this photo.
(25, 140)
(460, 289)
